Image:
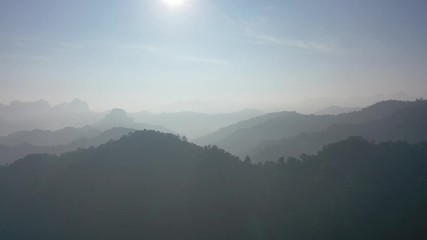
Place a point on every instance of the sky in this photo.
(147, 54)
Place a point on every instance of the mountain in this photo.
(9, 154)
(21, 116)
(192, 124)
(313, 105)
(407, 124)
(26, 116)
(150, 185)
(145, 172)
(39, 137)
(119, 118)
(20, 144)
(335, 110)
(241, 137)
(75, 106)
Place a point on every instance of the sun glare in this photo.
(174, 3)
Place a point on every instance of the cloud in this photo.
(43, 41)
(326, 47)
(168, 53)
(204, 60)
(136, 47)
(251, 29)
(23, 57)
(67, 45)
(46, 44)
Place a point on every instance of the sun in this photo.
(174, 3)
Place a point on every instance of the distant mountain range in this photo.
(112, 126)
(264, 137)
(192, 124)
(20, 116)
(314, 105)
(335, 110)
(27, 116)
(9, 154)
(403, 125)
(119, 118)
(49, 137)
(240, 137)
(280, 134)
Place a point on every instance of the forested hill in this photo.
(150, 185)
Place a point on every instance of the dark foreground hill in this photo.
(150, 185)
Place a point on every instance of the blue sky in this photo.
(144, 54)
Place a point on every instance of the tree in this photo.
(247, 160)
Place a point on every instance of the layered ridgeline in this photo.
(19, 116)
(113, 126)
(407, 124)
(193, 124)
(119, 118)
(150, 185)
(258, 136)
(116, 118)
(11, 153)
(40, 137)
(25, 116)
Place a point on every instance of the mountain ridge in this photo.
(147, 180)
(239, 138)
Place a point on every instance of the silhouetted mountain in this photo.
(26, 116)
(192, 124)
(119, 118)
(241, 137)
(9, 154)
(378, 111)
(21, 116)
(116, 118)
(76, 105)
(20, 144)
(39, 137)
(313, 105)
(105, 136)
(335, 110)
(151, 185)
(406, 124)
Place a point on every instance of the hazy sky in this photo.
(147, 53)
